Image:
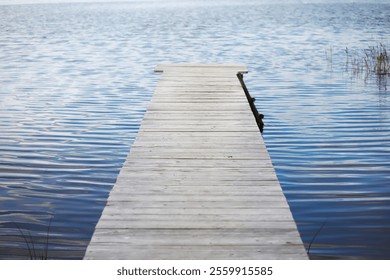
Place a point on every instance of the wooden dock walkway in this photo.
(198, 182)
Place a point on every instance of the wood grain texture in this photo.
(198, 182)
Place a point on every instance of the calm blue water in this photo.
(76, 79)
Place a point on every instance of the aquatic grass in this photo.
(315, 236)
(377, 60)
(28, 241)
(32, 244)
(373, 60)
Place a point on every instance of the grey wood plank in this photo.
(200, 237)
(184, 218)
(270, 252)
(197, 211)
(199, 115)
(247, 136)
(198, 204)
(210, 68)
(164, 174)
(173, 223)
(125, 193)
(228, 171)
(155, 138)
(124, 182)
(196, 163)
(196, 154)
(200, 127)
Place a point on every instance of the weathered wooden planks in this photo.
(198, 182)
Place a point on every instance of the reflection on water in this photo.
(76, 79)
(330, 146)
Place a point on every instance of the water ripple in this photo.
(76, 80)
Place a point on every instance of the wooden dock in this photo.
(198, 182)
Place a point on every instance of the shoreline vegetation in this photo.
(373, 60)
(38, 247)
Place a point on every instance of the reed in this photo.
(33, 245)
(377, 59)
(373, 60)
(315, 236)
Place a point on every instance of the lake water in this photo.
(76, 80)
